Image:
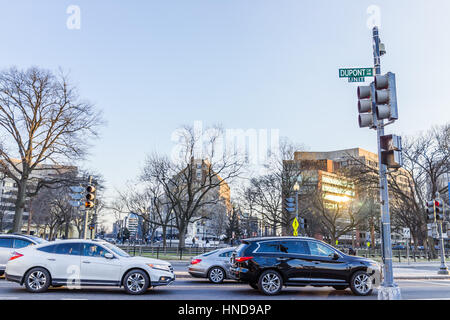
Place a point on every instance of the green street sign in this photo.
(356, 79)
(355, 72)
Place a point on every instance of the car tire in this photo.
(216, 275)
(270, 282)
(136, 282)
(37, 280)
(254, 285)
(340, 287)
(361, 283)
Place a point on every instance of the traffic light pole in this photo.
(443, 268)
(388, 289)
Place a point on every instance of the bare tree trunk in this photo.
(182, 236)
(20, 205)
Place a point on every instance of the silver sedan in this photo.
(214, 265)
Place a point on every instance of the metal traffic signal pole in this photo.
(388, 289)
(443, 268)
(86, 215)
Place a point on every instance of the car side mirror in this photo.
(109, 255)
(334, 256)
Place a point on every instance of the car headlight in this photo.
(162, 267)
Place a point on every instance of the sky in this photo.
(152, 66)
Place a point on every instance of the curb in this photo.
(437, 277)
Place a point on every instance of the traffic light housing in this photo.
(365, 100)
(302, 223)
(386, 97)
(391, 151)
(439, 209)
(290, 205)
(90, 197)
(431, 217)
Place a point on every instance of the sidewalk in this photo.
(418, 270)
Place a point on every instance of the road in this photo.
(199, 289)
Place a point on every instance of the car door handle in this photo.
(86, 262)
(50, 259)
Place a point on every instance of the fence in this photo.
(399, 254)
(165, 253)
(175, 253)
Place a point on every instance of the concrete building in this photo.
(321, 172)
(9, 190)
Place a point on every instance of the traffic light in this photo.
(302, 223)
(391, 151)
(431, 217)
(290, 205)
(386, 97)
(90, 197)
(439, 209)
(365, 96)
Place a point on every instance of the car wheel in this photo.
(361, 283)
(254, 285)
(136, 282)
(340, 287)
(216, 275)
(37, 280)
(270, 282)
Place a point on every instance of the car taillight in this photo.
(242, 259)
(15, 255)
(195, 261)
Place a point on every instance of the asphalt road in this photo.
(199, 289)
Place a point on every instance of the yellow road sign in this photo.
(295, 226)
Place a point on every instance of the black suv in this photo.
(269, 263)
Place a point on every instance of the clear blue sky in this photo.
(154, 65)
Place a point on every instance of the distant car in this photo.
(399, 247)
(214, 265)
(9, 242)
(85, 262)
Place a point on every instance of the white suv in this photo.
(75, 263)
(11, 242)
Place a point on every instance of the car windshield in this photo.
(115, 249)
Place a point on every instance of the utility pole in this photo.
(388, 289)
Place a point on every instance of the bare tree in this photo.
(426, 158)
(197, 178)
(43, 120)
(336, 217)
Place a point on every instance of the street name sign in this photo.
(356, 74)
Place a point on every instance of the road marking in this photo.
(8, 298)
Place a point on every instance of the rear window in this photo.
(68, 249)
(21, 243)
(209, 253)
(5, 243)
(49, 249)
(226, 254)
(268, 247)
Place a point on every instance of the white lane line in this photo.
(8, 298)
